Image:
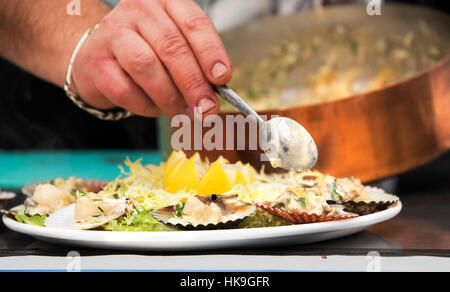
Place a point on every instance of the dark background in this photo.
(37, 115)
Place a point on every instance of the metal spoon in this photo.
(285, 142)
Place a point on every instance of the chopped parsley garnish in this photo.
(73, 192)
(100, 209)
(302, 201)
(289, 200)
(335, 191)
(96, 216)
(97, 200)
(190, 223)
(52, 182)
(179, 209)
(116, 196)
(354, 46)
(317, 195)
(251, 93)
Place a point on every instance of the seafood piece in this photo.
(378, 200)
(302, 205)
(45, 198)
(342, 189)
(206, 212)
(296, 199)
(91, 211)
(351, 193)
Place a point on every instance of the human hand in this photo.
(153, 56)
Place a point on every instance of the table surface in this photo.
(422, 227)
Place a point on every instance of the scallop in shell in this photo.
(303, 217)
(378, 200)
(206, 212)
(91, 211)
(46, 197)
(302, 205)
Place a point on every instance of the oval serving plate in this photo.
(61, 233)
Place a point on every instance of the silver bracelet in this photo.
(103, 115)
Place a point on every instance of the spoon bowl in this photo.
(288, 144)
(285, 142)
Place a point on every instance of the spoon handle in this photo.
(232, 97)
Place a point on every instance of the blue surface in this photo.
(20, 168)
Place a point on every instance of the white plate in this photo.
(207, 239)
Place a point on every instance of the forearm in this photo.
(39, 35)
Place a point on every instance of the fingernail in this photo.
(219, 70)
(206, 104)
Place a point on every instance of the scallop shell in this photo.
(9, 213)
(379, 201)
(227, 203)
(91, 185)
(5, 196)
(120, 207)
(380, 196)
(301, 218)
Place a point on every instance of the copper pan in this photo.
(373, 135)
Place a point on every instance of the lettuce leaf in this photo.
(262, 218)
(37, 220)
(141, 221)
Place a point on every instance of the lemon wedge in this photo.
(183, 176)
(193, 174)
(215, 180)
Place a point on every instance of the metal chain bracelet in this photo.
(112, 115)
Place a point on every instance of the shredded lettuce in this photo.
(140, 221)
(37, 220)
(144, 185)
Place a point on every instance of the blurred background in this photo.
(35, 115)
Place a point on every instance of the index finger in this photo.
(203, 38)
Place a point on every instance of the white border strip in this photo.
(227, 263)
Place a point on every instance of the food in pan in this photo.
(212, 195)
(334, 62)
